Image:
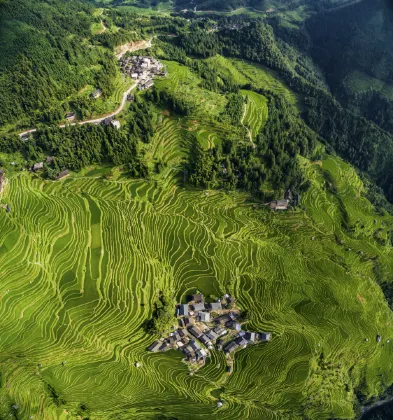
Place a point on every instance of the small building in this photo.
(212, 335)
(231, 347)
(204, 316)
(199, 307)
(188, 321)
(38, 166)
(198, 298)
(63, 174)
(96, 94)
(204, 339)
(131, 98)
(183, 310)
(107, 121)
(116, 124)
(195, 345)
(70, 116)
(220, 331)
(279, 205)
(155, 346)
(50, 159)
(241, 342)
(149, 83)
(183, 332)
(134, 75)
(266, 336)
(164, 347)
(215, 306)
(223, 319)
(234, 325)
(250, 337)
(195, 331)
(378, 338)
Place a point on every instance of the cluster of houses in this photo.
(205, 326)
(142, 69)
(39, 166)
(289, 198)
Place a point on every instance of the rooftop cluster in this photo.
(204, 326)
(142, 69)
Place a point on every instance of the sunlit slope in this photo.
(83, 259)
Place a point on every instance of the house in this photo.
(183, 332)
(220, 344)
(201, 354)
(234, 325)
(63, 174)
(204, 339)
(250, 337)
(198, 298)
(115, 124)
(279, 205)
(220, 331)
(199, 307)
(241, 342)
(195, 345)
(188, 320)
(215, 306)
(107, 120)
(223, 319)
(288, 194)
(378, 338)
(70, 116)
(149, 83)
(134, 75)
(231, 347)
(155, 346)
(38, 166)
(50, 159)
(96, 94)
(212, 335)
(204, 316)
(195, 331)
(165, 347)
(183, 310)
(266, 336)
(131, 98)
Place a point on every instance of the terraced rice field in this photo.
(82, 261)
(256, 112)
(359, 82)
(184, 84)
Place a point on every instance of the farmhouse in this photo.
(250, 336)
(63, 174)
(198, 307)
(266, 336)
(116, 124)
(155, 346)
(279, 205)
(96, 94)
(38, 166)
(215, 306)
(231, 347)
(183, 310)
(204, 316)
(70, 116)
(198, 298)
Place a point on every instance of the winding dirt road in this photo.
(102, 118)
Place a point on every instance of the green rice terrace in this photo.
(83, 261)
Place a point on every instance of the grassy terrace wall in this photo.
(82, 261)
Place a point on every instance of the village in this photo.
(142, 70)
(204, 327)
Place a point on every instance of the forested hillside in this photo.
(46, 57)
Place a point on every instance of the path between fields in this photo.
(146, 44)
(248, 130)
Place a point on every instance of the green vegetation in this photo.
(174, 201)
